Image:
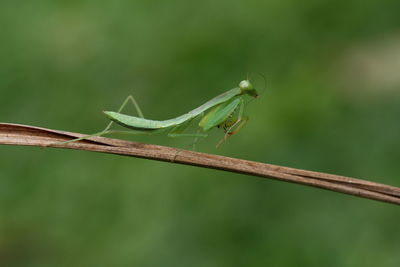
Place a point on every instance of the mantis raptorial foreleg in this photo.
(240, 122)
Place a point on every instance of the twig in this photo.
(15, 134)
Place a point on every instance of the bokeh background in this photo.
(332, 104)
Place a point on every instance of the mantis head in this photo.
(247, 88)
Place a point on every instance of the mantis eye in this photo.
(245, 85)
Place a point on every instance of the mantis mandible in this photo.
(223, 111)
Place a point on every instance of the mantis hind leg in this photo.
(107, 129)
(126, 101)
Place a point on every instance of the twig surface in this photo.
(16, 134)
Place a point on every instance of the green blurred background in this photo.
(332, 104)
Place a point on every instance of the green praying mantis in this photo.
(223, 111)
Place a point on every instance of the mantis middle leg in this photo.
(177, 132)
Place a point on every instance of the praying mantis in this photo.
(223, 111)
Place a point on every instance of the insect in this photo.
(223, 111)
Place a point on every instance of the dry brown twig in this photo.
(15, 134)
